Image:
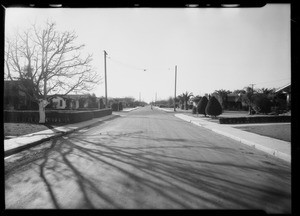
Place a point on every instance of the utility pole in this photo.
(175, 88)
(155, 98)
(251, 96)
(105, 53)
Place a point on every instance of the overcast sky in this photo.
(213, 48)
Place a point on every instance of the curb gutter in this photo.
(129, 110)
(274, 152)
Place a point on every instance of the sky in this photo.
(213, 48)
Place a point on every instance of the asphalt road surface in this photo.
(146, 159)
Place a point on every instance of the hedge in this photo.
(21, 116)
(54, 116)
(254, 119)
(102, 112)
(117, 106)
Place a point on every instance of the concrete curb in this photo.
(270, 151)
(216, 129)
(162, 109)
(129, 110)
(61, 132)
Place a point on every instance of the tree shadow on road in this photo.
(136, 173)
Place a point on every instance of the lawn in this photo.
(277, 131)
(18, 129)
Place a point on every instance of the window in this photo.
(60, 103)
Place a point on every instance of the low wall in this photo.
(254, 119)
(53, 116)
(102, 112)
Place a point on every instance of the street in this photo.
(146, 159)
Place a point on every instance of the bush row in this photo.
(254, 119)
(54, 116)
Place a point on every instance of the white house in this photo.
(59, 102)
(70, 101)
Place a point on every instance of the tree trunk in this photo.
(42, 104)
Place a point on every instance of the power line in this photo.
(130, 66)
(265, 82)
(134, 67)
(273, 81)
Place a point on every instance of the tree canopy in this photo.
(48, 61)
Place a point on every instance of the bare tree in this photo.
(48, 61)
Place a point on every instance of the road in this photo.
(147, 159)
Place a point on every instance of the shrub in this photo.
(202, 105)
(102, 106)
(194, 110)
(262, 104)
(114, 106)
(117, 106)
(20, 116)
(213, 107)
(120, 106)
(92, 101)
(54, 116)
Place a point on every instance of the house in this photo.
(73, 102)
(15, 96)
(65, 101)
(284, 93)
(57, 102)
(232, 102)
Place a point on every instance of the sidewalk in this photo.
(15, 145)
(163, 109)
(275, 147)
(130, 109)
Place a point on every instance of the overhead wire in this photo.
(130, 66)
(133, 67)
(273, 81)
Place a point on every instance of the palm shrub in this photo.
(202, 105)
(223, 95)
(213, 107)
(181, 101)
(262, 103)
(186, 97)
